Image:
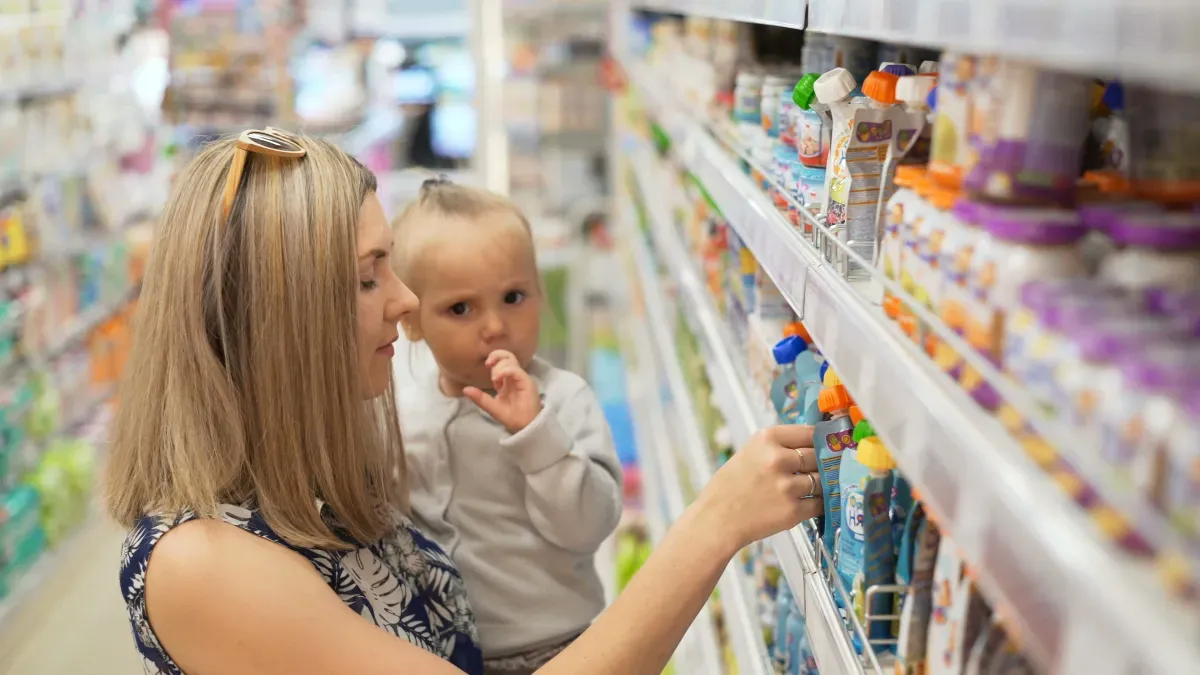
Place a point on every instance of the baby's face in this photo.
(479, 291)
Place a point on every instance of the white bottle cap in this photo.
(835, 85)
(914, 89)
(929, 67)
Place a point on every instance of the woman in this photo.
(256, 452)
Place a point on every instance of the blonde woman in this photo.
(257, 463)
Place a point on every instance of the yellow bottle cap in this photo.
(874, 455)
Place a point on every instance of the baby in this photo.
(511, 462)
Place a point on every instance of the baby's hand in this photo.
(517, 401)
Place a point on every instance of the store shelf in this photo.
(740, 617)
(698, 651)
(1150, 41)
(1032, 551)
(788, 13)
(829, 640)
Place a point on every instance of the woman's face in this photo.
(382, 299)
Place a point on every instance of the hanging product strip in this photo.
(983, 491)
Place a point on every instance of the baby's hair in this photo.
(440, 196)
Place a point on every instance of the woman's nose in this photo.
(403, 302)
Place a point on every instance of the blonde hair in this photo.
(441, 197)
(243, 384)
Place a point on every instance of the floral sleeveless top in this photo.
(405, 584)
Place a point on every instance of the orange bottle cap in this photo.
(856, 414)
(1108, 181)
(881, 87)
(908, 174)
(891, 306)
(834, 398)
(942, 198)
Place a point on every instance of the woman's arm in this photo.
(755, 494)
(225, 601)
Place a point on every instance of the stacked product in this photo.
(1055, 235)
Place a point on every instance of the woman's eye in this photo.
(369, 284)
(514, 297)
(459, 309)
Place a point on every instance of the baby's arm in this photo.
(572, 472)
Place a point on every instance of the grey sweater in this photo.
(521, 515)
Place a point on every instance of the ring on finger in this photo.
(803, 462)
(812, 486)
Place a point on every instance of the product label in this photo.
(854, 189)
(812, 139)
(949, 143)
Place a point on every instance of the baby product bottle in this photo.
(1031, 126)
(878, 554)
(834, 89)
(1091, 364)
(913, 91)
(1179, 478)
(1036, 340)
(747, 99)
(786, 393)
(812, 135)
(1021, 245)
(1158, 252)
(1164, 144)
(1164, 369)
(831, 438)
(948, 149)
(892, 247)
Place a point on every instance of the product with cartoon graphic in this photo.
(1027, 130)
(831, 438)
(918, 558)
(948, 151)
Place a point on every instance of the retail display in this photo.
(983, 268)
(81, 179)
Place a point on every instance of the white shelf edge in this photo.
(698, 652)
(783, 13)
(741, 620)
(1134, 40)
(831, 645)
(957, 455)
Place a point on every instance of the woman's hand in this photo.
(766, 487)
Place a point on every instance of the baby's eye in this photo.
(459, 309)
(514, 297)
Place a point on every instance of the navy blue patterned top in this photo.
(405, 584)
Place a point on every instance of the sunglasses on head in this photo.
(269, 141)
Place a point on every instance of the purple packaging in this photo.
(1172, 300)
(1114, 338)
(1044, 227)
(1100, 215)
(1034, 157)
(1162, 231)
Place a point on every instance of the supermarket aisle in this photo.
(77, 624)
